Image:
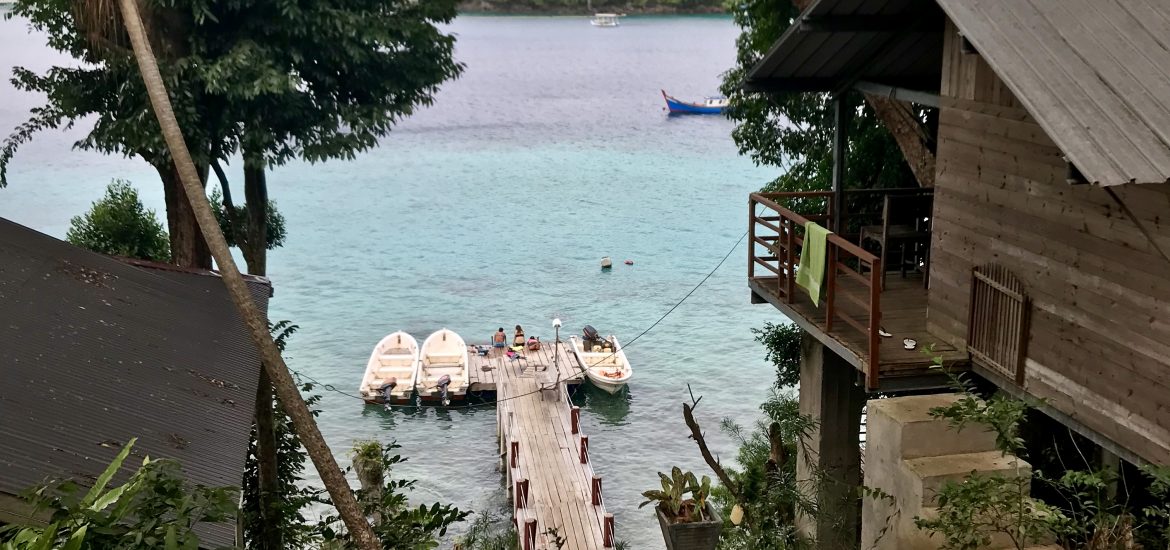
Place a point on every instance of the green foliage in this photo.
(367, 450)
(155, 508)
(782, 347)
(273, 80)
(670, 498)
(794, 131)
(275, 224)
(118, 224)
(673, 487)
(296, 497)
(1088, 515)
(403, 526)
(489, 531)
(770, 494)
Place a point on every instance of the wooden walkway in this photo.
(555, 492)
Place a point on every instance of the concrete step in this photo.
(917, 434)
(928, 474)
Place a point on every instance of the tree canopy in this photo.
(794, 130)
(270, 80)
(118, 224)
(316, 79)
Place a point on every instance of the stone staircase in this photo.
(910, 456)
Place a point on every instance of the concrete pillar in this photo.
(830, 395)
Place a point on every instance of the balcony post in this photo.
(751, 238)
(841, 116)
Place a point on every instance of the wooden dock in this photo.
(555, 492)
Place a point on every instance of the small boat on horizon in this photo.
(443, 368)
(713, 105)
(391, 371)
(603, 360)
(604, 20)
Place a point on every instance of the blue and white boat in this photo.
(709, 106)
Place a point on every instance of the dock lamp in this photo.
(556, 343)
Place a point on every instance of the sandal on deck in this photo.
(909, 343)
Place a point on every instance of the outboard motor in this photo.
(388, 387)
(590, 333)
(443, 382)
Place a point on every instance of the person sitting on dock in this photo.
(499, 339)
(518, 340)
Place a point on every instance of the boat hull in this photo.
(678, 107)
(605, 385)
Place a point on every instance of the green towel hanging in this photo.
(811, 274)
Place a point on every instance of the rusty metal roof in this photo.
(1095, 74)
(94, 352)
(837, 42)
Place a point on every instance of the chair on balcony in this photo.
(905, 228)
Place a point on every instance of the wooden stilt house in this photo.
(1042, 261)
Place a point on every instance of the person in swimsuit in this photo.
(499, 339)
(518, 340)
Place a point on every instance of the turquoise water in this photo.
(493, 208)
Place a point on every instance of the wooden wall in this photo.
(1099, 344)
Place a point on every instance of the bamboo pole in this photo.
(290, 398)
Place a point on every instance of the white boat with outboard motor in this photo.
(391, 371)
(603, 360)
(443, 368)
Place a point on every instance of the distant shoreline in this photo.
(507, 7)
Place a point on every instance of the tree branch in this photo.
(697, 435)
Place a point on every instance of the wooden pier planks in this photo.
(559, 484)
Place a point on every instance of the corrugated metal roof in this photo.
(836, 42)
(1095, 74)
(94, 352)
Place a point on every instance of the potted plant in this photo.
(688, 521)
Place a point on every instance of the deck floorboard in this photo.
(559, 493)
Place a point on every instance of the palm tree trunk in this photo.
(286, 390)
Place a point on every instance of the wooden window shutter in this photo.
(997, 331)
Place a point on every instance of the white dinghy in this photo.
(443, 374)
(603, 360)
(393, 362)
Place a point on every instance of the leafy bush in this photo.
(118, 224)
(782, 348)
(275, 224)
(155, 508)
(402, 526)
(489, 532)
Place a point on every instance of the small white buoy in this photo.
(606, 263)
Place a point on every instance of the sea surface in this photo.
(493, 208)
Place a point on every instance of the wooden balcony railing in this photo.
(776, 235)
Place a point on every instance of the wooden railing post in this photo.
(873, 367)
(751, 237)
(520, 494)
(515, 460)
(830, 286)
(790, 269)
(575, 419)
(530, 534)
(595, 491)
(584, 449)
(607, 531)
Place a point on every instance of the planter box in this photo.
(702, 535)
